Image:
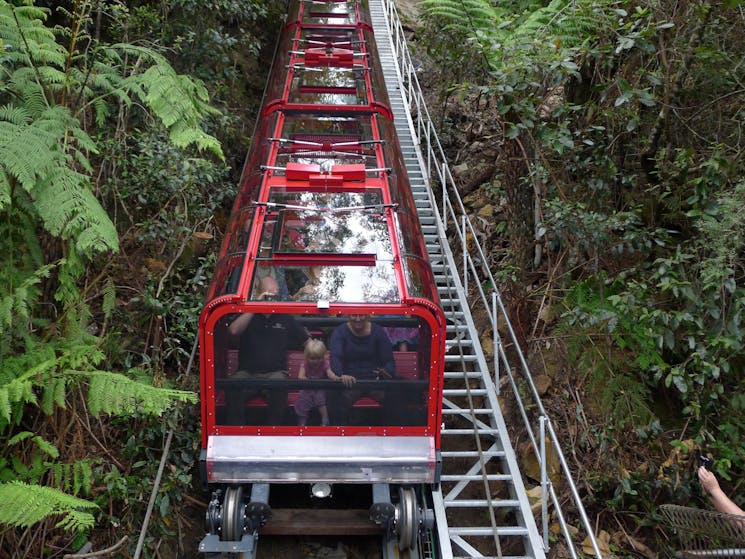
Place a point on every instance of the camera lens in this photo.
(271, 298)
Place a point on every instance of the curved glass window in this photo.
(326, 141)
(328, 86)
(332, 283)
(258, 360)
(329, 223)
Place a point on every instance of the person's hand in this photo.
(268, 296)
(708, 480)
(347, 380)
(381, 374)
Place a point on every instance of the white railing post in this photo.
(464, 248)
(544, 483)
(496, 340)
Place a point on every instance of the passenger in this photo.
(263, 341)
(309, 291)
(718, 497)
(402, 339)
(277, 273)
(360, 350)
(316, 365)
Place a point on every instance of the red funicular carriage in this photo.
(324, 244)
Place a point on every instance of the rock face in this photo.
(408, 12)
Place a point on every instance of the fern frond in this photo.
(17, 391)
(15, 305)
(111, 393)
(180, 103)
(5, 189)
(69, 210)
(29, 40)
(55, 390)
(22, 505)
(82, 476)
(45, 446)
(75, 478)
(469, 15)
(30, 94)
(563, 21)
(30, 153)
(27, 151)
(109, 298)
(17, 116)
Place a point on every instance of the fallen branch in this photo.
(106, 551)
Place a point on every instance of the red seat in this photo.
(294, 359)
(366, 402)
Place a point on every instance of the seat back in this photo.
(407, 364)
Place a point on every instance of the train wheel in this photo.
(407, 518)
(233, 514)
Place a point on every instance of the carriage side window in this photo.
(359, 371)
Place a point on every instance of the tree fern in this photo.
(75, 478)
(51, 369)
(111, 393)
(48, 92)
(44, 446)
(501, 24)
(464, 16)
(14, 304)
(24, 505)
(44, 148)
(563, 22)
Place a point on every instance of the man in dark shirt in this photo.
(263, 341)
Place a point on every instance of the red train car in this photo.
(322, 339)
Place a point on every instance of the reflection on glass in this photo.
(339, 223)
(328, 86)
(258, 362)
(334, 13)
(350, 284)
(326, 141)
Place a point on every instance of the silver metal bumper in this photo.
(353, 459)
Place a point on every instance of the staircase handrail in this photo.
(453, 218)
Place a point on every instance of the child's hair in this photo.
(315, 349)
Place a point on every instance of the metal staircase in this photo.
(482, 508)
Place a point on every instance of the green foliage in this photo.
(111, 393)
(57, 87)
(629, 121)
(464, 17)
(44, 147)
(24, 505)
(603, 335)
(49, 369)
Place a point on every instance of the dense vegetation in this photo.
(620, 174)
(613, 146)
(113, 184)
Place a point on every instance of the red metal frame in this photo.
(309, 178)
